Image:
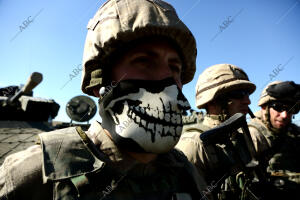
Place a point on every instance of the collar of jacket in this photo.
(67, 154)
(211, 120)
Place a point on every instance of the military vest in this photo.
(281, 159)
(217, 153)
(222, 162)
(78, 170)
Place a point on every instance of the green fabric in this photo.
(81, 183)
(58, 154)
(96, 79)
(161, 184)
(77, 173)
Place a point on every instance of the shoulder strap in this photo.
(65, 155)
(198, 180)
(70, 156)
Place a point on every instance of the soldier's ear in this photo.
(264, 110)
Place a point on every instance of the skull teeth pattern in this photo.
(155, 121)
(169, 118)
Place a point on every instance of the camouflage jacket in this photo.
(69, 164)
(278, 153)
(208, 159)
(215, 161)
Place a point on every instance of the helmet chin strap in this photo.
(224, 112)
(266, 118)
(251, 113)
(221, 110)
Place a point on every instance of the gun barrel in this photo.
(34, 79)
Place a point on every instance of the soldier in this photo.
(222, 90)
(276, 138)
(137, 56)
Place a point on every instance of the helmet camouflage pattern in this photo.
(118, 23)
(219, 79)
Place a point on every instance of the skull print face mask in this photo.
(143, 115)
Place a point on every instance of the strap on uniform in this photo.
(90, 145)
(107, 176)
(81, 184)
(191, 170)
(87, 182)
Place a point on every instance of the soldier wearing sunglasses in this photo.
(222, 90)
(276, 138)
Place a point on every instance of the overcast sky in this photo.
(260, 36)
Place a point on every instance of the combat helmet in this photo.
(118, 23)
(285, 91)
(219, 79)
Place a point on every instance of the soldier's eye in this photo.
(175, 68)
(141, 59)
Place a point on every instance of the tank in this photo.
(23, 116)
(18, 103)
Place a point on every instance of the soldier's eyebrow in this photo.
(146, 52)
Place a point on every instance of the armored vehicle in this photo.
(23, 116)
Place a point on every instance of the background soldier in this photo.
(222, 90)
(277, 139)
(143, 49)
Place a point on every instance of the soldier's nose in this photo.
(246, 100)
(284, 114)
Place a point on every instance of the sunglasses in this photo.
(280, 107)
(238, 94)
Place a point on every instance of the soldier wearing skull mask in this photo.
(142, 51)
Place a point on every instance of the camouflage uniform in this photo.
(277, 150)
(69, 164)
(211, 160)
(204, 157)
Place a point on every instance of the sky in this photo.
(260, 36)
